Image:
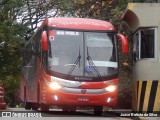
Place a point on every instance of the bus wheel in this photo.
(98, 110)
(35, 106)
(38, 94)
(27, 105)
(68, 109)
(44, 107)
(72, 109)
(65, 109)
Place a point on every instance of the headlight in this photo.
(111, 88)
(55, 86)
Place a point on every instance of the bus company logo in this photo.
(83, 91)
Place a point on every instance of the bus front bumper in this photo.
(58, 97)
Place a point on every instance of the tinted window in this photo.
(147, 43)
(65, 49)
(90, 54)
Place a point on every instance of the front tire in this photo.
(35, 106)
(65, 109)
(98, 110)
(44, 107)
(27, 105)
(68, 109)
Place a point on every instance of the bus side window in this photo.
(38, 44)
(44, 58)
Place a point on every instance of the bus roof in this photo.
(78, 23)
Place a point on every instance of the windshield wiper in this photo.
(91, 63)
(75, 63)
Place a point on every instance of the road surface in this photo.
(57, 114)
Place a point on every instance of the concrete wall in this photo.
(145, 15)
(146, 77)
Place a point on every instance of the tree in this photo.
(18, 20)
(11, 40)
(36, 11)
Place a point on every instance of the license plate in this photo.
(83, 99)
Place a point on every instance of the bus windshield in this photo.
(87, 54)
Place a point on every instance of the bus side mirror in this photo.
(124, 42)
(44, 41)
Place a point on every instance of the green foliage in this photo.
(12, 37)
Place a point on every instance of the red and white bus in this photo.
(70, 63)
